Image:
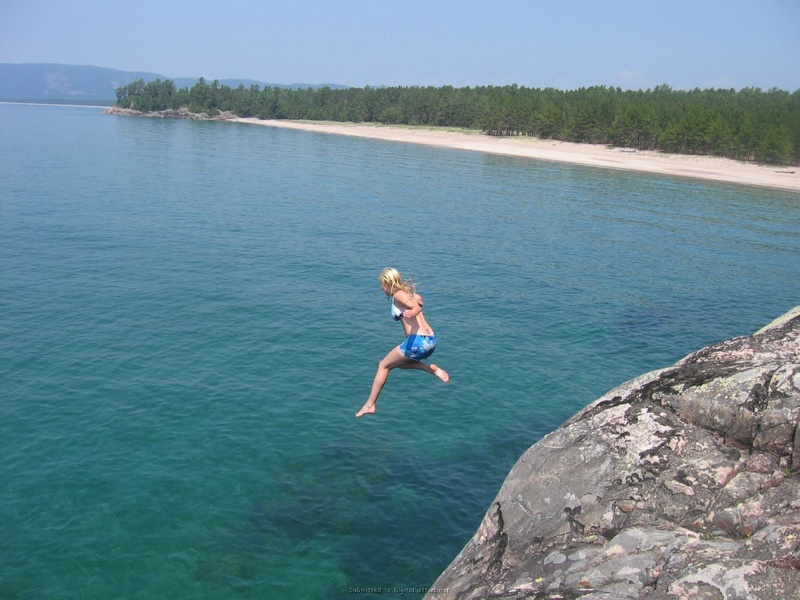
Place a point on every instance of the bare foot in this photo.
(440, 373)
(367, 409)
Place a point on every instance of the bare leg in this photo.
(432, 369)
(395, 358)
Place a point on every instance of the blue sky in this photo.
(634, 44)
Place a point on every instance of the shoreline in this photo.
(709, 168)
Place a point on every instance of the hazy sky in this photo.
(537, 43)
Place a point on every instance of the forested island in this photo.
(747, 125)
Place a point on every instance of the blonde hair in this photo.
(391, 277)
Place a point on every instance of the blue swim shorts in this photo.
(417, 347)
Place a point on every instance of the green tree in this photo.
(747, 125)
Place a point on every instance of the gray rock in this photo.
(681, 483)
(170, 113)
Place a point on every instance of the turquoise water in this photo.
(190, 317)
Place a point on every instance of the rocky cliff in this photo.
(682, 483)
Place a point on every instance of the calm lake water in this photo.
(190, 317)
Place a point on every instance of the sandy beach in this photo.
(677, 165)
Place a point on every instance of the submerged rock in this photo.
(681, 483)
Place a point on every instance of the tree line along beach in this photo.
(749, 137)
(710, 168)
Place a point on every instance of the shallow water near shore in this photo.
(191, 317)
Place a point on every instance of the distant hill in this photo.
(77, 84)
